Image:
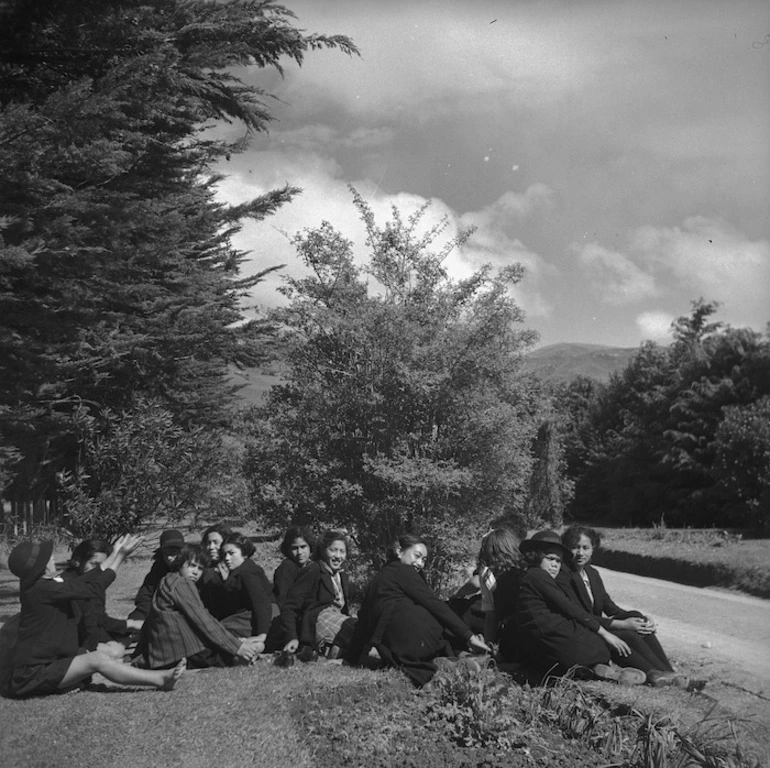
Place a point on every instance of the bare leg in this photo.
(87, 663)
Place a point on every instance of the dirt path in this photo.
(721, 636)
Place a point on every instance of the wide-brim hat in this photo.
(28, 561)
(543, 539)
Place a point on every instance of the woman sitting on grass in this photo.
(180, 627)
(296, 548)
(212, 582)
(171, 542)
(47, 657)
(500, 569)
(316, 613)
(584, 585)
(402, 619)
(244, 604)
(554, 633)
(97, 630)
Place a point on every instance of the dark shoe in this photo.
(333, 652)
(631, 676)
(307, 653)
(283, 659)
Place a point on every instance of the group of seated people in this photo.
(543, 606)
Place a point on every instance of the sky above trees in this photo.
(618, 150)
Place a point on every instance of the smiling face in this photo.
(416, 556)
(334, 555)
(551, 562)
(232, 555)
(583, 552)
(191, 570)
(299, 551)
(213, 545)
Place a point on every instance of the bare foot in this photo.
(173, 678)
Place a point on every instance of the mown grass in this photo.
(708, 557)
(324, 714)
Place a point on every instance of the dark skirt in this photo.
(41, 679)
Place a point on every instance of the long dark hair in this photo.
(242, 542)
(572, 535)
(404, 541)
(84, 551)
(296, 532)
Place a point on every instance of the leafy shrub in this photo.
(140, 464)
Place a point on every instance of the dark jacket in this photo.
(95, 626)
(603, 606)
(312, 591)
(403, 618)
(247, 590)
(143, 599)
(553, 630)
(48, 628)
(284, 576)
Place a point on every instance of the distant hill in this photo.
(563, 362)
(556, 362)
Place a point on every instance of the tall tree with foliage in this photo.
(118, 276)
(662, 439)
(404, 406)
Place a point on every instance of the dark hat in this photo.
(28, 561)
(546, 539)
(171, 539)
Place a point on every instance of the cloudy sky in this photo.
(618, 149)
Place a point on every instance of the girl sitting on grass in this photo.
(98, 631)
(47, 657)
(500, 569)
(401, 619)
(553, 632)
(296, 548)
(171, 541)
(180, 627)
(316, 613)
(244, 604)
(211, 583)
(583, 584)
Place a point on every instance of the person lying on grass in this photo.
(97, 630)
(47, 658)
(179, 627)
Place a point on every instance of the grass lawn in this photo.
(700, 557)
(324, 714)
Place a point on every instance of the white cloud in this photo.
(710, 258)
(655, 326)
(613, 275)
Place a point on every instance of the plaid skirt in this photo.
(333, 627)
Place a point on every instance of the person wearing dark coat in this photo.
(171, 542)
(245, 606)
(98, 629)
(316, 612)
(48, 658)
(296, 548)
(554, 633)
(584, 585)
(403, 620)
